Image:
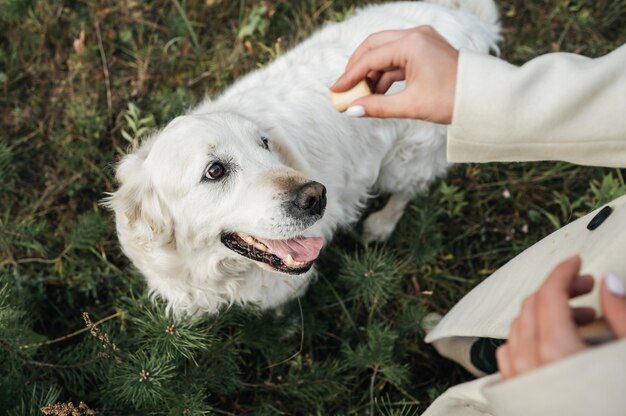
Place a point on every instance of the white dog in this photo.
(233, 201)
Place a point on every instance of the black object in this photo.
(599, 218)
(483, 354)
(310, 199)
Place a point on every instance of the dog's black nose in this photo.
(311, 198)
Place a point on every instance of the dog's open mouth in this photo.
(294, 256)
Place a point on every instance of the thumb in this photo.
(384, 106)
(613, 299)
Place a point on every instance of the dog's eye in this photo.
(266, 143)
(215, 171)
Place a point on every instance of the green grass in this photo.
(71, 105)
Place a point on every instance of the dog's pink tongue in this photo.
(301, 249)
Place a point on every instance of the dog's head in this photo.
(206, 204)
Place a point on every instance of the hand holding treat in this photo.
(421, 57)
(549, 329)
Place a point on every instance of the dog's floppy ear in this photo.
(139, 212)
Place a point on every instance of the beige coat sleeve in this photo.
(588, 383)
(558, 106)
(575, 386)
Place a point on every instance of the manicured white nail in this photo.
(615, 284)
(355, 111)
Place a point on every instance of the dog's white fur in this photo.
(169, 222)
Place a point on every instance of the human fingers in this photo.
(556, 328)
(387, 79)
(374, 76)
(522, 340)
(374, 41)
(613, 301)
(504, 361)
(583, 315)
(383, 106)
(581, 285)
(377, 59)
(408, 103)
(349, 78)
(389, 49)
(429, 64)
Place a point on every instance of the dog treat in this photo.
(342, 100)
(596, 332)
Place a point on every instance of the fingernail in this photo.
(615, 284)
(355, 111)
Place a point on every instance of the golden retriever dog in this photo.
(233, 201)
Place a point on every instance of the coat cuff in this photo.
(588, 383)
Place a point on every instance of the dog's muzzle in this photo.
(294, 255)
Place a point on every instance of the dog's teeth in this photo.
(248, 239)
(290, 262)
(260, 247)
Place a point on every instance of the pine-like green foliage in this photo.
(371, 277)
(141, 379)
(11, 10)
(379, 355)
(81, 82)
(6, 166)
(30, 405)
(19, 394)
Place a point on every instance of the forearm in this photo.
(555, 107)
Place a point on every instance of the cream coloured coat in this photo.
(555, 107)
